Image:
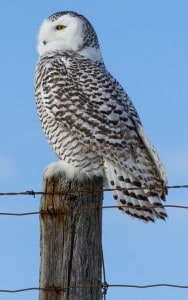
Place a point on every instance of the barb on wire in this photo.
(26, 193)
(105, 286)
(33, 193)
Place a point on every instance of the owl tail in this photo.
(144, 204)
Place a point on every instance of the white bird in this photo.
(90, 121)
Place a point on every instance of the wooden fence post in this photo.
(71, 230)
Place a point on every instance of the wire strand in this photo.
(85, 208)
(33, 193)
(156, 285)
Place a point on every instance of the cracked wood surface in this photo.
(71, 253)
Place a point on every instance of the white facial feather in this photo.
(69, 38)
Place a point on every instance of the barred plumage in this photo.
(89, 119)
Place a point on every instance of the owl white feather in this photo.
(90, 121)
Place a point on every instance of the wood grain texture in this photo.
(70, 223)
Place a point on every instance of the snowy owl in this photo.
(90, 121)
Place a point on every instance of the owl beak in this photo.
(44, 42)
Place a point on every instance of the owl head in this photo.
(67, 31)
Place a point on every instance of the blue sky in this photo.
(144, 45)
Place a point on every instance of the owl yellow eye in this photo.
(60, 27)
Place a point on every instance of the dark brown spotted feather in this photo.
(91, 123)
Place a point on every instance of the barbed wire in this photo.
(86, 209)
(104, 285)
(35, 193)
(89, 208)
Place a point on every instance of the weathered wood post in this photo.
(70, 223)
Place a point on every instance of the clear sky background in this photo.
(145, 46)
